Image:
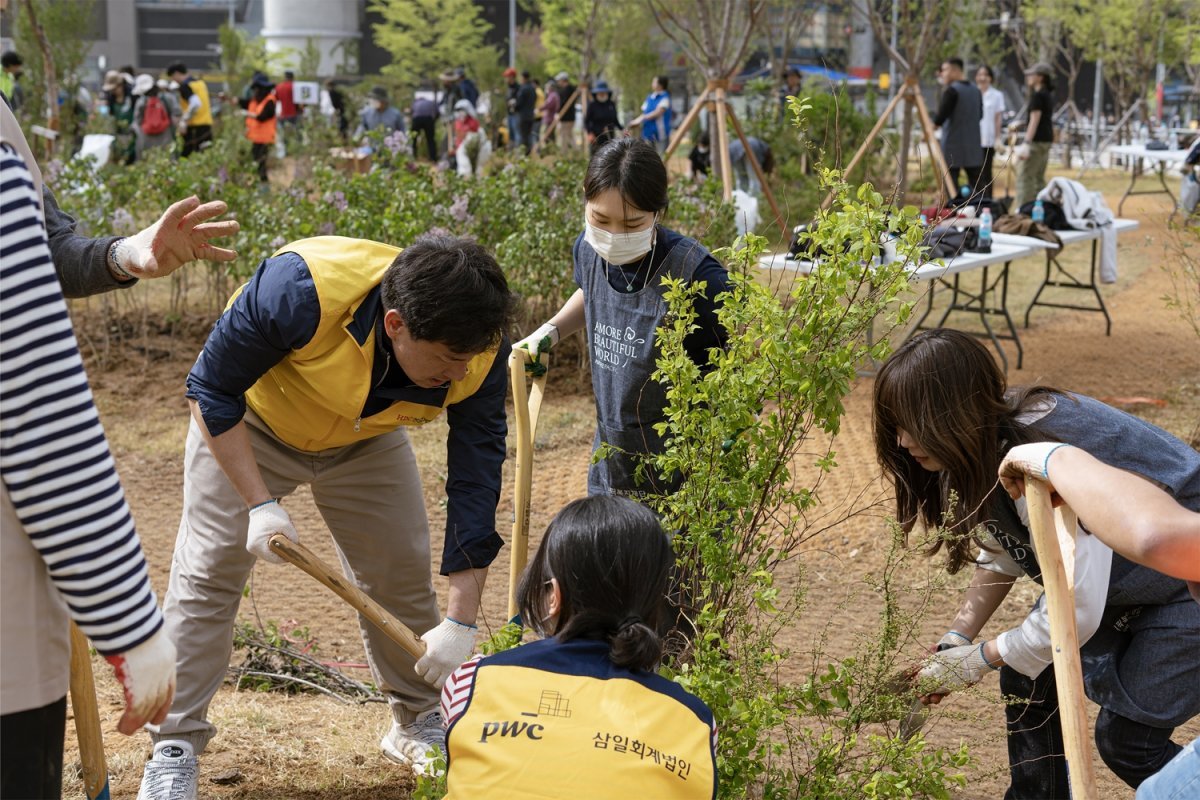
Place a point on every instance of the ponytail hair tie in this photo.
(629, 622)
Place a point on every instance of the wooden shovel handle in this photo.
(87, 719)
(1056, 557)
(383, 619)
(527, 404)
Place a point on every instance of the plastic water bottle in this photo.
(1039, 211)
(985, 231)
(924, 221)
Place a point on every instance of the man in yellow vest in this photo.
(311, 376)
(11, 68)
(196, 124)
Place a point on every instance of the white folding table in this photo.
(1160, 158)
(947, 272)
(1058, 276)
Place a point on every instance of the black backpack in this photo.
(1055, 220)
(947, 241)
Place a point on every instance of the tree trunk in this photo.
(1072, 112)
(49, 74)
(905, 146)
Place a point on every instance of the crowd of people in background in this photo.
(457, 125)
(175, 111)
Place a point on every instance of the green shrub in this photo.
(527, 211)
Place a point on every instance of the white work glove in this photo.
(181, 128)
(951, 639)
(953, 669)
(536, 343)
(1026, 460)
(1021, 152)
(447, 647)
(266, 520)
(181, 235)
(147, 674)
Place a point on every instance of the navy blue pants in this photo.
(1037, 765)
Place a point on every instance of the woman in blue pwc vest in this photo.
(582, 710)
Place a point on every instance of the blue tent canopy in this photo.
(807, 71)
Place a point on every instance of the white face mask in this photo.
(619, 248)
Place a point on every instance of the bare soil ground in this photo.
(312, 747)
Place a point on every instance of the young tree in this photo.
(921, 28)
(975, 36)
(1132, 36)
(785, 19)
(635, 57)
(714, 34)
(426, 37)
(578, 34)
(52, 36)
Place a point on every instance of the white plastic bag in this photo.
(747, 211)
(1189, 193)
(98, 146)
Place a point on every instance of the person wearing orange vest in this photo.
(583, 711)
(259, 111)
(311, 376)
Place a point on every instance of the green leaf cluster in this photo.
(425, 37)
(748, 434)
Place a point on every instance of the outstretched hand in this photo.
(179, 236)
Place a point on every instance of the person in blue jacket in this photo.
(310, 377)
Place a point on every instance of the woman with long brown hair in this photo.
(944, 419)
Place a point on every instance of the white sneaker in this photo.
(171, 773)
(414, 744)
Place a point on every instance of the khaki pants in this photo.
(1031, 174)
(370, 496)
(566, 134)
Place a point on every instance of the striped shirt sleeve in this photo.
(457, 690)
(54, 457)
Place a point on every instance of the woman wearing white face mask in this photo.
(620, 261)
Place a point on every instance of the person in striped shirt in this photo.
(584, 706)
(68, 546)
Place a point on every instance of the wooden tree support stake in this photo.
(714, 96)
(910, 92)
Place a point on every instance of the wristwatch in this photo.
(114, 264)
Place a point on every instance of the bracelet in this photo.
(264, 503)
(114, 265)
(465, 625)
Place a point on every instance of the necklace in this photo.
(647, 259)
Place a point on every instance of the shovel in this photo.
(1054, 543)
(299, 555)
(527, 402)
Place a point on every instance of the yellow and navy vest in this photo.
(552, 720)
(203, 115)
(313, 399)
